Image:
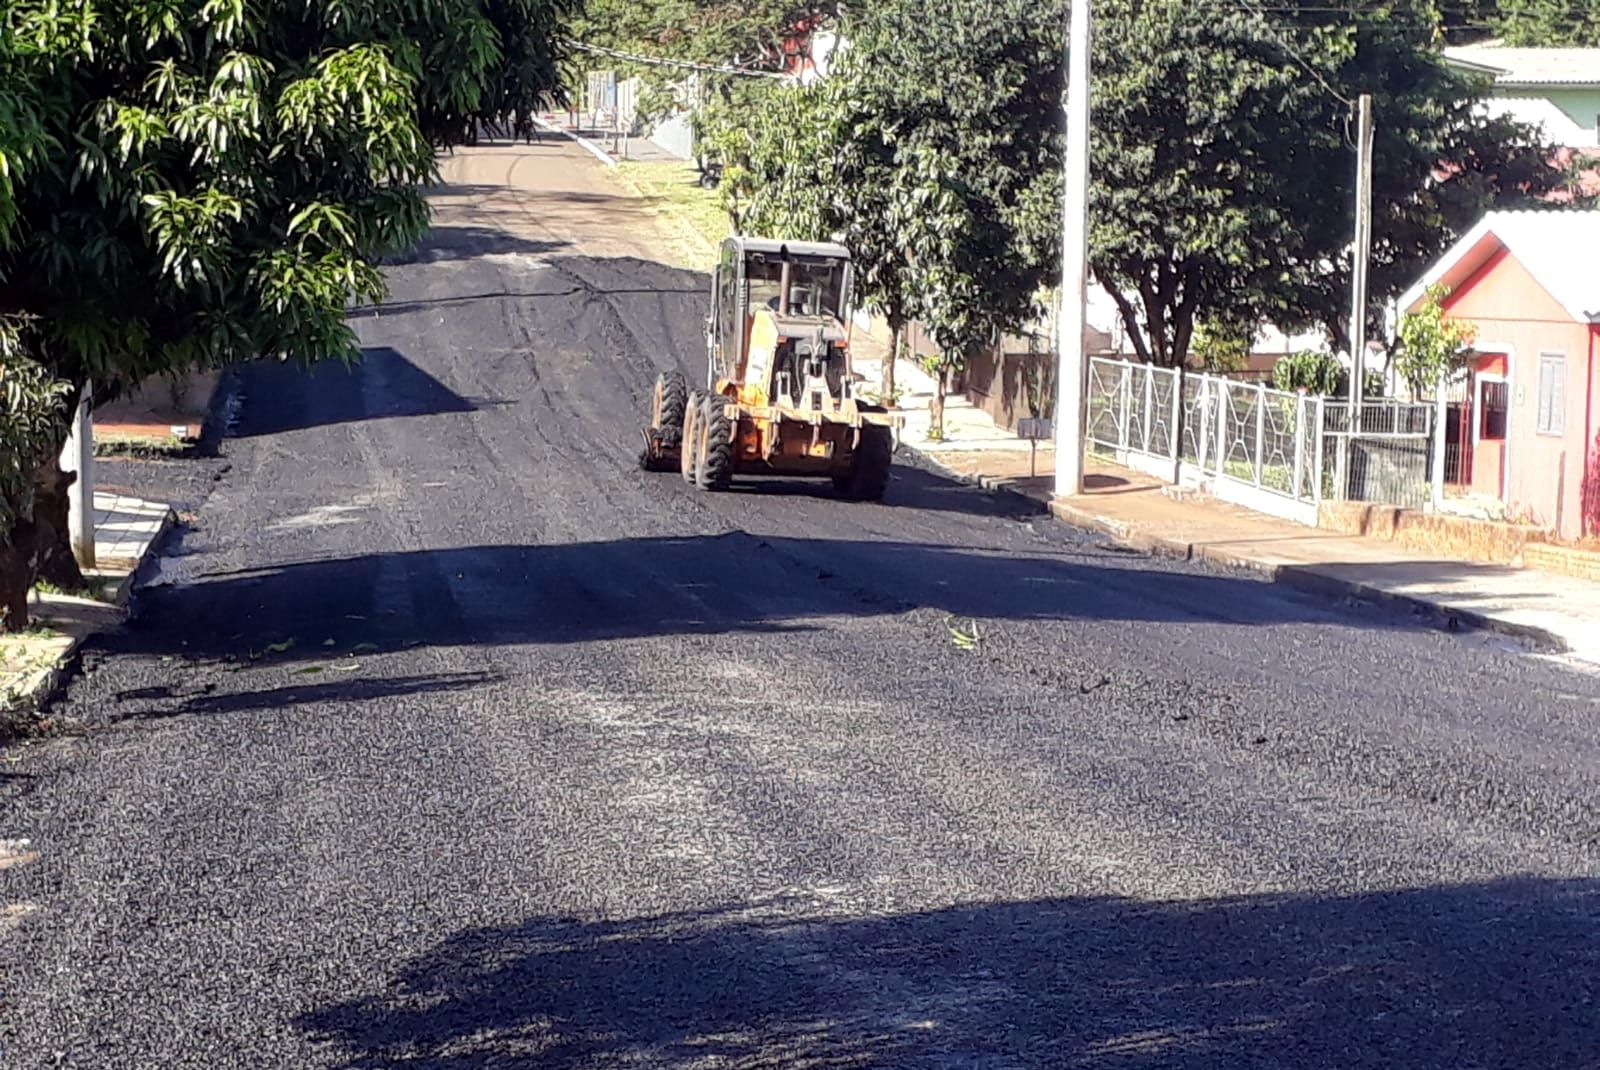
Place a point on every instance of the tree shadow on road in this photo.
(1497, 974)
(738, 582)
(307, 688)
(279, 397)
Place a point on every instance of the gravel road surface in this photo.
(446, 739)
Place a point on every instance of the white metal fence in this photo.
(1278, 452)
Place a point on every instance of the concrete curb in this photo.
(1306, 578)
(594, 150)
(1003, 488)
(40, 686)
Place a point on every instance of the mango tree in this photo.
(208, 181)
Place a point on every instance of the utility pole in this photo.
(78, 456)
(1358, 278)
(1072, 363)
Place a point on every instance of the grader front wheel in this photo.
(688, 456)
(667, 405)
(714, 449)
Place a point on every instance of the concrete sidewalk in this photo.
(31, 663)
(1560, 613)
(1556, 611)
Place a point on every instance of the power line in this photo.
(1287, 47)
(682, 64)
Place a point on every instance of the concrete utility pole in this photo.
(1358, 277)
(78, 456)
(1072, 363)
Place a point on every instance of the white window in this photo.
(1552, 393)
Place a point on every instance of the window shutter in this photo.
(1552, 393)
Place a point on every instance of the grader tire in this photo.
(868, 477)
(674, 395)
(689, 454)
(667, 407)
(714, 455)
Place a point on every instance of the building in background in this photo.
(1524, 427)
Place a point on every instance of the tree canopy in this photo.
(196, 182)
(1549, 23)
(1223, 170)
(745, 34)
(931, 150)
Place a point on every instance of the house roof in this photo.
(1530, 66)
(1559, 127)
(1555, 247)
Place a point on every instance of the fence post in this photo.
(1149, 403)
(1261, 431)
(1177, 425)
(1127, 406)
(1224, 399)
(1299, 446)
(1318, 430)
(1440, 411)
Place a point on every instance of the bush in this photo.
(1315, 373)
(1321, 375)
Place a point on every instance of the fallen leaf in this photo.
(309, 670)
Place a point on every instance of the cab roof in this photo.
(746, 244)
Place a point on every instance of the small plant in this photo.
(1318, 374)
(1431, 346)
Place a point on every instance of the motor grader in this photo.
(780, 393)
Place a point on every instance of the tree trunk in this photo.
(936, 406)
(51, 529)
(15, 583)
(897, 332)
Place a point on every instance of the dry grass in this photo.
(692, 217)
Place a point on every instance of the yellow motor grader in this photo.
(779, 397)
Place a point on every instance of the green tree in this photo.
(1549, 23)
(1224, 177)
(949, 116)
(1222, 346)
(751, 33)
(1431, 345)
(206, 181)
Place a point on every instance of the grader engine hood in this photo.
(807, 328)
(798, 360)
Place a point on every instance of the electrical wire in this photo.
(682, 64)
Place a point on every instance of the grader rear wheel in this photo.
(868, 477)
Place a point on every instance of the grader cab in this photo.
(780, 393)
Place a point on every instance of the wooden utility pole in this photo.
(1072, 362)
(1360, 262)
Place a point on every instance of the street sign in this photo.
(1033, 429)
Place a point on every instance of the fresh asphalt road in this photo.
(445, 738)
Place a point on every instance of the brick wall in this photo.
(1583, 564)
(1438, 534)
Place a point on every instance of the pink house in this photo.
(1527, 422)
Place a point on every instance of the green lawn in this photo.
(694, 215)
